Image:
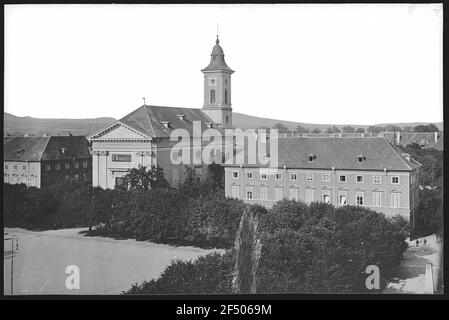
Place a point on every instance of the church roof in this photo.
(217, 61)
(159, 122)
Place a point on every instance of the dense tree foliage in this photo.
(428, 217)
(348, 129)
(280, 127)
(305, 249)
(301, 129)
(333, 129)
(426, 128)
(143, 178)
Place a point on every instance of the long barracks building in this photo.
(368, 172)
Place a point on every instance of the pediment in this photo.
(118, 131)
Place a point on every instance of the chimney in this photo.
(398, 137)
(70, 134)
(436, 136)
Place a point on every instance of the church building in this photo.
(143, 136)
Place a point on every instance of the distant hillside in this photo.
(36, 126)
(244, 121)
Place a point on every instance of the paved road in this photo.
(106, 266)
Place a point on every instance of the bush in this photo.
(209, 274)
(213, 220)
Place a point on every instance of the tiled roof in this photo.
(341, 153)
(45, 148)
(150, 120)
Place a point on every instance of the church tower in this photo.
(217, 88)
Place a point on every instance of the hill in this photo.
(14, 125)
(244, 121)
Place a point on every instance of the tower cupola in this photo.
(217, 88)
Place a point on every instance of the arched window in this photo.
(226, 96)
(212, 96)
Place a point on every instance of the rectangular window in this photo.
(249, 175)
(377, 199)
(24, 167)
(395, 180)
(326, 177)
(249, 193)
(235, 174)
(121, 157)
(47, 167)
(67, 165)
(395, 199)
(342, 178)
(263, 176)
(293, 194)
(15, 167)
(235, 191)
(57, 166)
(326, 196)
(84, 164)
(343, 198)
(309, 195)
(309, 176)
(77, 165)
(359, 179)
(6, 166)
(278, 176)
(263, 193)
(360, 201)
(277, 194)
(293, 176)
(377, 179)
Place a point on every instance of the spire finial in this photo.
(217, 41)
(144, 101)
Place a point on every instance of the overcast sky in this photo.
(342, 64)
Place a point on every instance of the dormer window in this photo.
(166, 123)
(63, 150)
(20, 151)
(361, 158)
(209, 124)
(181, 117)
(406, 156)
(311, 157)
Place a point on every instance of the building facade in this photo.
(143, 137)
(43, 161)
(368, 172)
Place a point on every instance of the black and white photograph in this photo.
(223, 149)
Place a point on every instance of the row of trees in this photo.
(349, 129)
